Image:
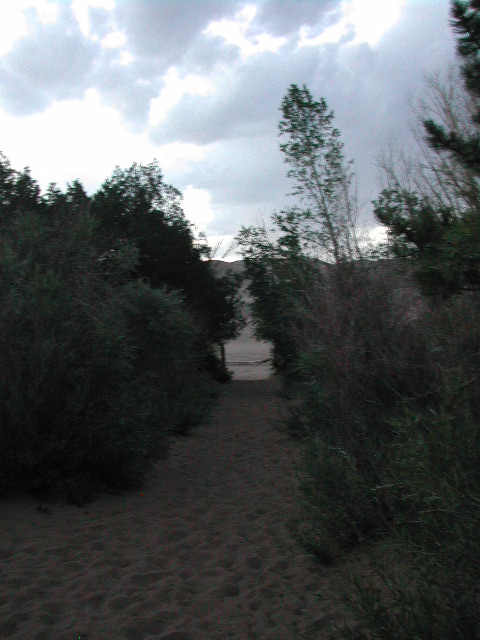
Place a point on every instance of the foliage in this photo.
(466, 23)
(425, 582)
(275, 271)
(312, 149)
(336, 508)
(384, 386)
(443, 246)
(362, 351)
(136, 206)
(18, 191)
(97, 368)
(437, 222)
(280, 262)
(433, 480)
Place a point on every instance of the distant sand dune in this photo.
(247, 357)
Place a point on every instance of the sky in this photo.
(88, 85)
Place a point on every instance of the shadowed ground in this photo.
(201, 553)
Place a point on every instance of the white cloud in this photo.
(125, 58)
(236, 32)
(173, 91)
(13, 25)
(196, 206)
(84, 139)
(216, 97)
(113, 40)
(81, 10)
(176, 157)
(368, 19)
(373, 18)
(47, 12)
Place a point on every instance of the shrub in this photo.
(368, 344)
(335, 507)
(434, 491)
(95, 370)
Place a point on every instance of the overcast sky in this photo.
(86, 85)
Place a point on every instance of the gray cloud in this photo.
(370, 89)
(101, 21)
(161, 34)
(128, 89)
(53, 62)
(247, 100)
(283, 17)
(166, 29)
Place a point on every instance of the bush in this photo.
(387, 407)
(433, 480)
(335, 507)
(96, 371)
(369, 344)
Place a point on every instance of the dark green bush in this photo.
(137, 206)
(96, 370)
(336, 508)
(431, 589)
(368, 345)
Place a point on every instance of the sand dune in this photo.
(201, 553)
(248, 358)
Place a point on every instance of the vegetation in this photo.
(322, 178)
(103, 351)
(111, 316)
(136, 206)
(380, 356)
(320, 227)
(436, 222)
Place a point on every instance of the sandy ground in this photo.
(201, 553)
(248, 358)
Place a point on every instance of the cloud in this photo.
(370, 89)
(165, 30)
(187, 37)
(85, 140)
(354, 22)
(245, 102)
(85, 10)
(238, 31)
(89, 85)
(285, 18)
(14, 19)
(173, 91)
(197, 207)
(53, 62)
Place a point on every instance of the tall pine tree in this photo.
(466, 24)
(444, 241)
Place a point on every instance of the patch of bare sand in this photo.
(248, 358)
(203, 554)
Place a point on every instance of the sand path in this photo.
(203, 554)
